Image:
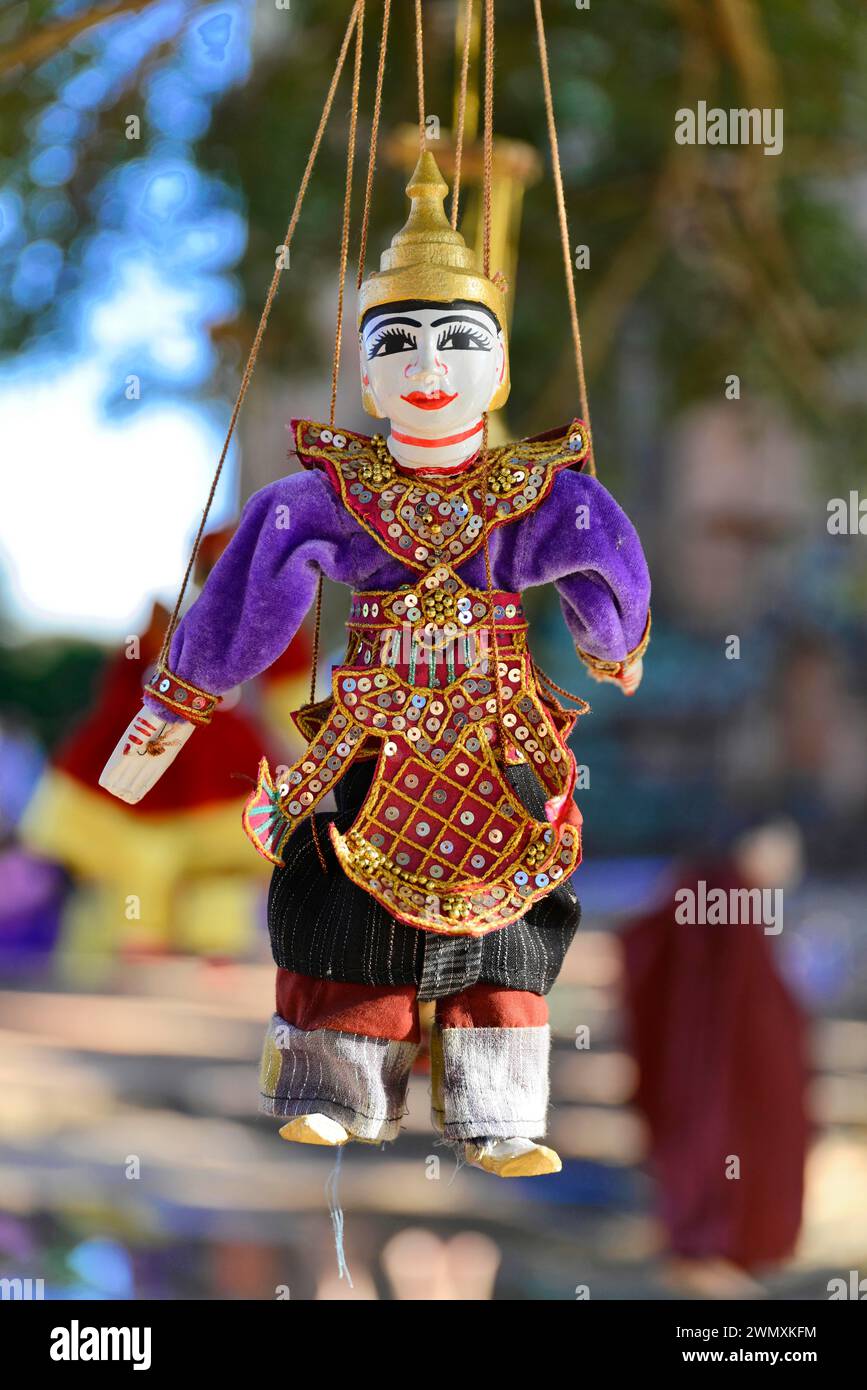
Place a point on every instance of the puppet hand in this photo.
(630, 678)
(148, 747)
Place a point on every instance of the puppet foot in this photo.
(513, 1158)
(315, 1129)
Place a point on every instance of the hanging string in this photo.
(362, 255)
(374, 138)
(419, 69)
(338, 340)
(564, 228)
(494, 641)
(341, 286)
(462, 112)
(347, 209)
(314, 672)
(488, 148)
(488, 164)
(577, 699)
(317, 626)
(260, 331)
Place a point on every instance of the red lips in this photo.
(435, 401)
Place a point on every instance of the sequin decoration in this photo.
(439, 840)
(425, 526)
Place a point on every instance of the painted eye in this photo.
(463, 338)
(391, 340)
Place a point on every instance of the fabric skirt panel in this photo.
(322, 924)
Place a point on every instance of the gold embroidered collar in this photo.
(424, 522)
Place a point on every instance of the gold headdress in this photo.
(427, 259)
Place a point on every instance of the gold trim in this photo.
(603, 670)
(450, 904)
(200, 707)
(503, 467)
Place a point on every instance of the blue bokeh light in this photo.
(36, 274)
(155, 224)
(53, 166)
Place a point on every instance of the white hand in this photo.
(147, 748)
(631, 678)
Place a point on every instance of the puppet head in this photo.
(432, 327)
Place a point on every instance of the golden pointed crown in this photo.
(428, 259)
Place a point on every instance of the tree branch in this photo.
(36, 48)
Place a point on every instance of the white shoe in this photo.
(513, 1158)
(315, 1129)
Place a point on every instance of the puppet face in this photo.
(431, 368)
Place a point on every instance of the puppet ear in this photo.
(501, 395)
(368, 400)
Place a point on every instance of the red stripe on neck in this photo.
(429, 471)
(437, 443)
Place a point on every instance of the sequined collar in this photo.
(424, 522)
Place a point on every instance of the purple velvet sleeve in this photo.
(582, 541)
(263, 584)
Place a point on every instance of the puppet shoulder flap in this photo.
(545, 454)
(520, 475)
(318, 446)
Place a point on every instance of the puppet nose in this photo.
(424, 376)
(425, 367)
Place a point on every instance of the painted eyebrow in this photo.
(461, 318)
(384, 322)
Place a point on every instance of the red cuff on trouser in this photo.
(489, 1006)
(373, 1011)
(391, 1011)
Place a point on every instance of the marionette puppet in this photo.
(445, 872)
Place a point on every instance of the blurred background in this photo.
(150, 155)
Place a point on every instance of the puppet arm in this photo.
(249, 610)
(584, 544)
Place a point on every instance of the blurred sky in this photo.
(90, 568)
(111, 406)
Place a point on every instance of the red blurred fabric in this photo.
(721, 1047)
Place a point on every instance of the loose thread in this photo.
(337, 1221)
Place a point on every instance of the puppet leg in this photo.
(489, 1055)
(337, 1059)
